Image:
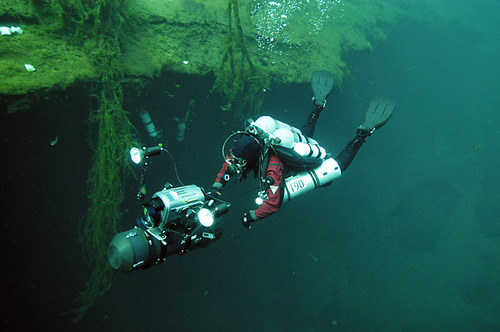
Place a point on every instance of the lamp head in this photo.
(139, 156)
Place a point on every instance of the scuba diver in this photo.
(273, 150)
(287, 161)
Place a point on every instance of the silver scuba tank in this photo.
(150, 126)
(309, 180)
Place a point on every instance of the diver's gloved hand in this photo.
(217, 186)
(248, 218)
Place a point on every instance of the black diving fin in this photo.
(378, 114)
(322, 84)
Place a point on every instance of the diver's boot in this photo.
(378, 114)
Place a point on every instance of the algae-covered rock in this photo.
(57, 59)
(185, 36)
(15, 10)
(287, 40)
(290, 39)
(57, 62)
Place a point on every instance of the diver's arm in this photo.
(275, 191)
(222, 177)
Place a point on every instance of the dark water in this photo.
(407, 240)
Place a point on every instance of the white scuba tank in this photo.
(309, 150)
(269, 124)
(289, 137)
(181, 130)
(148, 123)
(272, 126)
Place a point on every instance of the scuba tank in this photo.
(150, 126)
(268, 127)
(309, 150)
(309, 180)
(181, 129)
(277, 133)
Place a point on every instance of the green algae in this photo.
(239, 77)
(98, 23)
(184, 36)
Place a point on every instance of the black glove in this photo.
(248, 218)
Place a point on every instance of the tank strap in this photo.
(264, 163)
(292, 159)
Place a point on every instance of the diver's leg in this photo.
(321, 84)
(310, 124)
(346, 156)
(378, 114)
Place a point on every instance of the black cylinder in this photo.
(134, 249)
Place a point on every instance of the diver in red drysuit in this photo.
(246, 154)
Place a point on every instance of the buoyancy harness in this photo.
(307, 165)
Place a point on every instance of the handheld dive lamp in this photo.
(138, 156)
(261, 197)
(207, 215)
